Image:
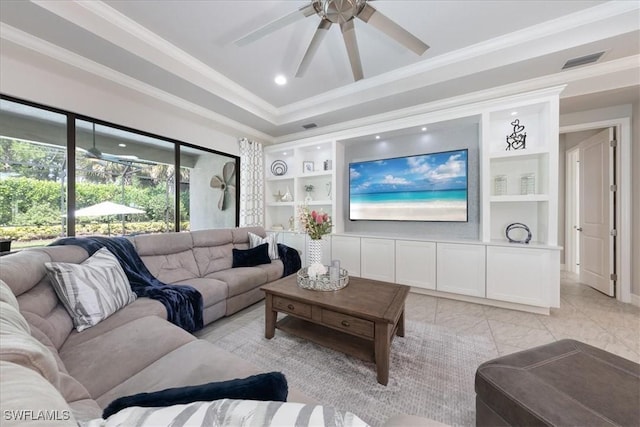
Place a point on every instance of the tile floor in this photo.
(585, 315)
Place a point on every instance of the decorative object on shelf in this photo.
(292, 221)
(307, 167)
(279, 168)
(328, 184)
(528, 183)
(308, 188)
(322, 282)
(518, 226)
(287, 196)
(277, 227)
(327, 165)
(278, 196)
(517, 139)
(225, 184)
(500, 185)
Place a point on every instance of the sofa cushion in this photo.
(199, 361)
(212, 290)
(141, 307)
(271, 240)
(213, 258)
(107, 360)
(274, 270)
(268, 386)
(27, 399)
(236, 413)
(251, 257)
(93, 290)
(242, 279)
(18, 346)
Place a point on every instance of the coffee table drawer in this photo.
(290, 306)
(350, 324)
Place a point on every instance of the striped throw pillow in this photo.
(93, 290)
(271, 239)
(236, 413)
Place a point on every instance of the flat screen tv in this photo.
(426, 187)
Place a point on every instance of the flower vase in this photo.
(314, 251)
(308, 198)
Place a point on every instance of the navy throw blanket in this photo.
(183, 303)
(290, 259)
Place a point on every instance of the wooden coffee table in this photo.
(360, 320)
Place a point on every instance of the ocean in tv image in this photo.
(427, 187)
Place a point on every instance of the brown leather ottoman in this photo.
(565, 383)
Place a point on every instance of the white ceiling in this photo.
(185, 49)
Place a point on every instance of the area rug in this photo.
(431, 371)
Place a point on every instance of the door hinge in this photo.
(614, 233)
(613, 143)
(613, 276)
(614, 188)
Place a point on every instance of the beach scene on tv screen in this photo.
(428, 187)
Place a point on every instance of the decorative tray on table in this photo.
(322, 282)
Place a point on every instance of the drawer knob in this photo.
(345, 323)
(291, 307)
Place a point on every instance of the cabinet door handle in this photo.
(291, 307)
(345, 323)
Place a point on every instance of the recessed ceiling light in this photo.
(514, 113)
(318, 147)
(284, 153)
(122, 145)
(280, 80)
(424, 128)
(377, 136)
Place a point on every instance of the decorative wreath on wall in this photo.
(278, 168)
(517, 226)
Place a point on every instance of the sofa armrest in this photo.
(290, 259)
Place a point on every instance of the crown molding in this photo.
(371, 123)
(57, 53)
(109, 24)
(106, 22)
(377, 87)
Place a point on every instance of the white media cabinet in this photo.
(488, 270)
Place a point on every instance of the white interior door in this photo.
(595, 238)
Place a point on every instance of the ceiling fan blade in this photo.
(221, 202)
(303, 12)
(321, 31)
(372, 16)
(350, 41)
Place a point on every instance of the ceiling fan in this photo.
(94, 153)
(342, 12)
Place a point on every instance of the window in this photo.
(124, 181)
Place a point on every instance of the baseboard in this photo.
(635, 300)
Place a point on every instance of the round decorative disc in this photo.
(278, 168)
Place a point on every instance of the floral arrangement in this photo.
(308, 188)
(316, 224)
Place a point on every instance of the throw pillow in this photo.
(269, 386)
(230, 412)
(251, 257)
(271, 239)
(93, 290)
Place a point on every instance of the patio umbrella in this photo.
(108, 208)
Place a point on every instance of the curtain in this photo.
(251, 183)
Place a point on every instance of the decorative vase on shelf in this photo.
(308, 198)
(287, 196)
(314, 251)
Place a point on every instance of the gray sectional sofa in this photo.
(135, 349)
